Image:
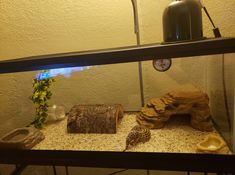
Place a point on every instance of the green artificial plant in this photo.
(40, 97)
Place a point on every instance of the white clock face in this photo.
(162, 64)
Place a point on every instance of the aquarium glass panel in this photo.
(188, 108)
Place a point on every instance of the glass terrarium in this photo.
(116, 109)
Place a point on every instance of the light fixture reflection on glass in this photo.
(66, 72)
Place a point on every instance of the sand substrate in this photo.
(177, 136)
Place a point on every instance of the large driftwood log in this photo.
(186, 101)
(94, 118)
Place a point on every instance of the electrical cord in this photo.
(54, 170)
(116, 172)
(225, 94)
(18, 170)
(215, 29)
(66, 170)
(217, 34)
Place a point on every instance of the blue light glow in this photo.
(61, 71)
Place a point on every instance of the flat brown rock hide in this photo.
(21, 138)
(186, 101)
(99, 118)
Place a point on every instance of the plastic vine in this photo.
(40, 97)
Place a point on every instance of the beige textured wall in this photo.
(31, 27)
(42, 27)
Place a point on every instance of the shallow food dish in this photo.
(211, 144)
